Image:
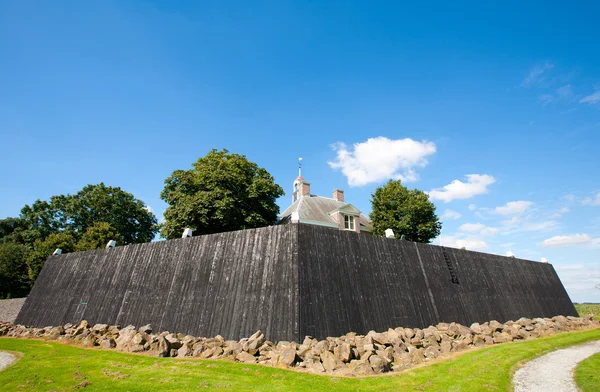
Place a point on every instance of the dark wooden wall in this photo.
(351, 282)
(290, 281)
(227, 284)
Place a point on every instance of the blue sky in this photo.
(493, 109)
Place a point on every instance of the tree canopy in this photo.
(407, 212)
(14, 281)
(128, 217)
(222, 192)
(84, 221)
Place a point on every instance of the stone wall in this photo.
(349, 355)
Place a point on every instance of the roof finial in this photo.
(300, 167)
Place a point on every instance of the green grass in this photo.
(49, 366)
(587, 374)
(585, 309)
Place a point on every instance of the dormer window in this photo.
(349, 222)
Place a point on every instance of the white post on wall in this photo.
(111, 244)
(295, 217)
(187, 233)
(58, 251)
(389, 233)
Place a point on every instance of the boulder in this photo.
(108, 343)
(343, 352)
(446, 347)
(330, 362)
(496, 326)
(287, 356)
(362, 369)
(478, 341)
(431, 352)
(147, 329)
(100, 328)
(378, 364)
(245, 357)
(161, 348)
(255, 341)
(475, 328)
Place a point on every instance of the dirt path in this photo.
(6, 359)
(554, 371)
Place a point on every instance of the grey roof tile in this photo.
(317, 208)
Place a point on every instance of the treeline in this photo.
(221, 192)
(84, 221)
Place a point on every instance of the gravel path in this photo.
(9, 309)
(553, 371)
(6, 359)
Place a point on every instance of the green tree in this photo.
(127, 216)
(13, 230)
(222, 192)
(407, 212)
(96, 237)
(14, 281)
(42, 249)
(83, 221)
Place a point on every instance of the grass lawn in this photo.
(47, 366)
(585, 309)
(587, 374)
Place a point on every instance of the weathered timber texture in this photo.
(353, 282)
(227, 284)
(290, 281)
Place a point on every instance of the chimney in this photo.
(338, 195)
(301, 189)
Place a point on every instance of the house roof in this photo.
(318, 209)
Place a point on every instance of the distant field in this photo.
(585, 309)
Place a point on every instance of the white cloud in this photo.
(546, 98)
(560, 212)
(471, 243)
(536, 74)
(536, 226)
(476, 185)
(514, 207)
(518, 224)
(592, 98)
(472, 207)
(509, 253)
(588, 201)
(148, 208)
(479, 228)
(450, 214)
(489, 231)
(471, 227)
(544, 260)
(380, 158)
(567, 240)
(569, 197)
(562, 94)
(580, 280)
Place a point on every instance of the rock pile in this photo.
(350, 355)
